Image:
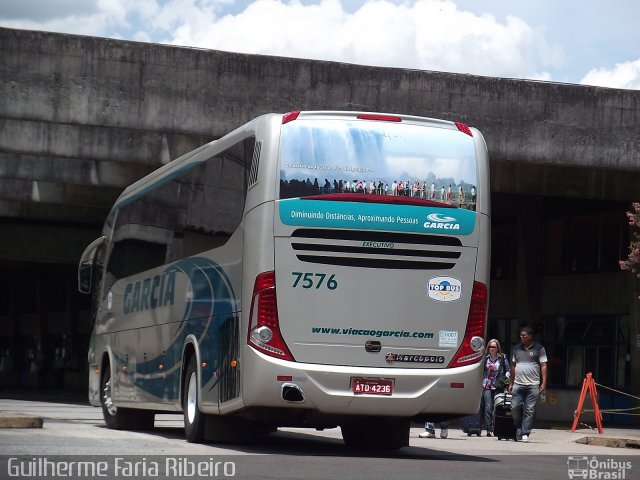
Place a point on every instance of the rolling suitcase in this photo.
(472, 425)
(503, 426)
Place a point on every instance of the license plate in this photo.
(372, 386)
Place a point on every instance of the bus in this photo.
(316, 269)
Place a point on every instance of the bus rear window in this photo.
(331, 157)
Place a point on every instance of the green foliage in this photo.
(632, 263)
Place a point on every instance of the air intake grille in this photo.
(354, 248)
(255, 162)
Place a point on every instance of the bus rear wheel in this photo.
(194, 419)
(121, 418)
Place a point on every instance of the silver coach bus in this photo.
(312, 269)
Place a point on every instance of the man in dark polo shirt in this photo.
(528, 382)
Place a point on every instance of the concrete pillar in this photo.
(634, 348)
(529, 257)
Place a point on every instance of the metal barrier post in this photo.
(588, 385)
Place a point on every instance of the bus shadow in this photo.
(301, 444)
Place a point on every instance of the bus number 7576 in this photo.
(308, 280)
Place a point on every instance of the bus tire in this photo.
(390, 434)
(194, 419)
(118, 418)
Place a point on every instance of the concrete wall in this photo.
(81, 117)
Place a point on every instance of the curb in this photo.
(19, 420)
(610, 442)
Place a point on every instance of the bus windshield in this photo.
(337, 156)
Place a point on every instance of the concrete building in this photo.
(82, 117)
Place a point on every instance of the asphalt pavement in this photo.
(545, 440)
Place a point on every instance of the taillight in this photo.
(264, 331)
(464, 129)
(472, 348)
(378, 117)
(289, 117)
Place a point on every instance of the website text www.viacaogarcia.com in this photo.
(370, 332)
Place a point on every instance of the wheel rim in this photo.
(107, 398)
(192, 398)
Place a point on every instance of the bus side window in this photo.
(195, 211)
(212, 202)
(131, 256)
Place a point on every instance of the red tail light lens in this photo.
(290, 117)
(464, 129)
(264, 330)
(380, 118)
(472, 348)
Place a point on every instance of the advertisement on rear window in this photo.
(377, 175)
(374, 216)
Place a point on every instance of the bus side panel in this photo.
(198, 296)
(94, 377)
(220, 342)
(483, 266)
(258, 258)
(483, 204)
(98, 306)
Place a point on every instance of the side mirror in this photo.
(85, 275)
(87, 264)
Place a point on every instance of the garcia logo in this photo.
(436, 220)
(444, 289)
(150, 293)
(435, 217)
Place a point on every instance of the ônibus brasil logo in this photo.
(597, 469)
(436, 220)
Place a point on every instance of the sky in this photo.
(589, 42)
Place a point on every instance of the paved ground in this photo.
(547, 441)
(557, 440)
(74, 432)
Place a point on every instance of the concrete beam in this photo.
(66, 79)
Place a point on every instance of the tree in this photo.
(632, 263)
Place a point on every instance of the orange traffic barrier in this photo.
(588, 385)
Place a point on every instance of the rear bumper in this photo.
(327, 388)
